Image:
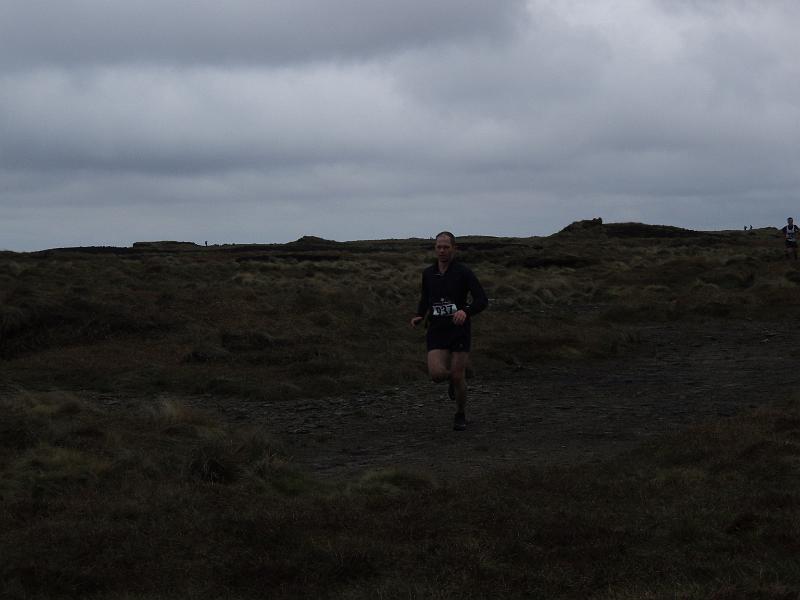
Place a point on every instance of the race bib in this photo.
(443, 309)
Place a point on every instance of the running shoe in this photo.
(460, 422)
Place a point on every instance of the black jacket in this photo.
(452, 286)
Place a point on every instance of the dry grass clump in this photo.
(54, 442)
(46, 441)
(35, 315)
(301, 320)
(525, 291)
(224, 458)
(153, 511)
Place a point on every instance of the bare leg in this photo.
(444, 365)
(439, 365)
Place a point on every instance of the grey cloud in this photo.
(161, 120)
(80, 32)
(497, 123)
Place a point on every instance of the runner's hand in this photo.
(460, 317)
(415, 321)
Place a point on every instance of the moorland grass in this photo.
(266, 323)
(160, 501)
(167, 503)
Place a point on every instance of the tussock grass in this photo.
(163, 501)
(157, 512)
(283, 322)
(245, 322)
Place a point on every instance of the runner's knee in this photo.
(439, 375)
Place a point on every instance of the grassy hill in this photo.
(153, 499)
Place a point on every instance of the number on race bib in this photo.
(444, 310)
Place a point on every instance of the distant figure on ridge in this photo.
(790, 231)
(443, 302)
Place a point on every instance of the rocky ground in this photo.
(557, 413)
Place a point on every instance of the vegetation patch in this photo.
(710, 512)
(112, 486)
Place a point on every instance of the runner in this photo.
(443, 303)
(790, 231)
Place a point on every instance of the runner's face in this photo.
(444, 249)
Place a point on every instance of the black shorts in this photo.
(454, 338)
(791, 244)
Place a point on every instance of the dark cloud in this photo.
(80, 32)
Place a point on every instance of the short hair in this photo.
(447, 234)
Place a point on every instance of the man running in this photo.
(445, 286)
(790, 231)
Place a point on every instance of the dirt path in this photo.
(562, 412)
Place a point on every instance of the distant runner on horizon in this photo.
(790, 232)
(443, 301)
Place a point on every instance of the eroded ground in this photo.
(559, 412)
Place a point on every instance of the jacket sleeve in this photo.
(422, 307)
(479, 300)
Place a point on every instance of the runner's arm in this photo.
(479, 299)
(424, 303)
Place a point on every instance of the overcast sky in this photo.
(265, 120)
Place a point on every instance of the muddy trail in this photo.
(563, 412)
